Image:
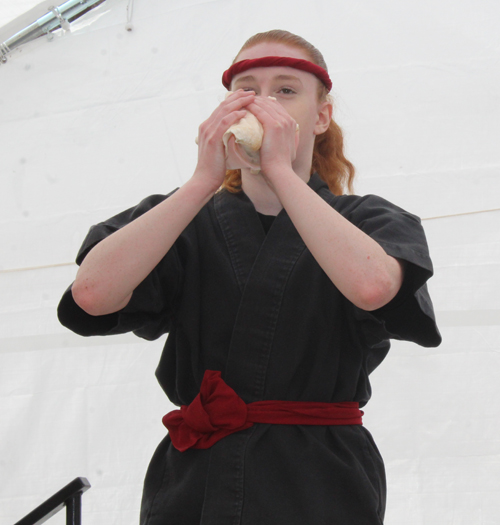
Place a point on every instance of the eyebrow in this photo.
(250, 78)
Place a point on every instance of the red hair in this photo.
(328, 156)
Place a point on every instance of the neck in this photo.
(259, 190)
(260, 193)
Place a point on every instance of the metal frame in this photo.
(69, 496)
(58, 17)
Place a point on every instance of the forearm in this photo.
(355, 263)
(118, 264)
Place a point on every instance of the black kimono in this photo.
(260, 309)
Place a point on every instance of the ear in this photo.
(325, 112)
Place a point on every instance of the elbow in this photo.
(91, 301)
(375, 295)
(383, 287)
(98, 298)
(372, 301)
(85, 298)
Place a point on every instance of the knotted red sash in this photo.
(218, 411)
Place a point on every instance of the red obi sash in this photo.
(218, 411)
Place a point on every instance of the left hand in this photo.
(279, 145)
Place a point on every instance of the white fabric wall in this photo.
(9, 11)
(97, 119)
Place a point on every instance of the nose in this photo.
(264, 92)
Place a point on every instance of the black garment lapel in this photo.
(253, 332)
(263, 265)
(242, 231)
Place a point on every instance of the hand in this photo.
(211, 167)
(279, 145)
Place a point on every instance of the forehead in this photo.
(288, 74)
(266, 49)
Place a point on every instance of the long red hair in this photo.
(328, 160)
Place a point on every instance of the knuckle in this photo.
(227, 120)
(210, 140)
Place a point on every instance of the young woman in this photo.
(279, 294)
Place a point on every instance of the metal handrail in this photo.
(69, 496)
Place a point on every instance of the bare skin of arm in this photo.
(118, 264)
(355, 263)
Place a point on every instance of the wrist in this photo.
(202, 185)
(279, 175)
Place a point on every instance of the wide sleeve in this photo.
(152, 306)
(410, 315)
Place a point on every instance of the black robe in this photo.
(260, 309)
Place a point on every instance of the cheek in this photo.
(306, 119)
(294, 110)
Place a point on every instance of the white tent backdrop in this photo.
(98, 118)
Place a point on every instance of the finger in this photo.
(239, 92)
(224, 116)
(230, 119)
(273, 107)
(212, 132)
(230, 105)
(236, 102)
(258, 108)
(238, 97)
(271, 116)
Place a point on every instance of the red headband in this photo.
(296, 63)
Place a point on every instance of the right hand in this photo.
(211, 167)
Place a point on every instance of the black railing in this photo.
(69, 496)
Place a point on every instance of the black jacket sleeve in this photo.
(152, 306)
(410, 315)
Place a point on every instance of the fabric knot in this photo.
(218, 411)
(215, 412)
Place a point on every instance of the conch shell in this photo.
(243, 141)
